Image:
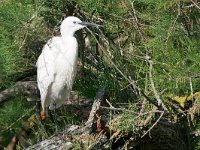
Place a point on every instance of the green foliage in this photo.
(12, 114)
(165, 30)
(127, 123)
(168, 32)
(12, 15)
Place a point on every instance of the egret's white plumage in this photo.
(56, 66)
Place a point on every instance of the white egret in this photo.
(56, 66)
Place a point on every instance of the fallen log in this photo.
(72, 133)
(96, 135)
(27, 88)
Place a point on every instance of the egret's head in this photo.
(72, 24)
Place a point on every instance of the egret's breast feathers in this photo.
(56, 67)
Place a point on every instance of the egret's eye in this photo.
(74, 22)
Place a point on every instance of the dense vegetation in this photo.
(146, 53)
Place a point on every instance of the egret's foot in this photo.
(43, 115)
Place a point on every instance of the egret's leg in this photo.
(55, 118)
(38, 107)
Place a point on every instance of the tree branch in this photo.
(153, 86)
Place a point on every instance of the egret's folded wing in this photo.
(45, 66)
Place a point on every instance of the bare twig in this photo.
(20, 118)
(153, 86)
(195, 75)
(177, 108)
(109, 103)
(133, 13)
(153, 124)
(191, 88)
(195, 4)
(196, 133)
(28, 23)
(119, 109)
(130, 111)
(108, 54)
(95, 108)
(24, 40)
(100, 97)
(172, 26)
(149, 117)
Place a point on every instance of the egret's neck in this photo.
(68, 39)
(65, 33)
(70, 45)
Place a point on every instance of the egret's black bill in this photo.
(90, 24)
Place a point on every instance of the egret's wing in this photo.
(46, 67)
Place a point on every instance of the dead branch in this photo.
(82, 135)
(60, 141)
(171, 28)
(149, 117)
(191, 88)
(64, 140)
(196, 5)
(153, 125)
(109, 57)
(28, 88)
(160, 102)
(101, 97)
(196, 133)
(130, 111)
(17, 120)
(195, 75)
(133, 13)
